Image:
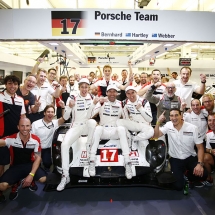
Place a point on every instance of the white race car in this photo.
(148, 163)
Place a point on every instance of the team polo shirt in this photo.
(182, 142)
(20, 153)
(210, 140)
(185, 91)
(43, 92)
(44, 131)
(198, 120)
(103, 84)
(10, 120)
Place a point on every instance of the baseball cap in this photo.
(112, 87)
(130, 88)
(84, 80)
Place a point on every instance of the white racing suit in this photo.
(109, 113)
(137, 120)
(81, 125)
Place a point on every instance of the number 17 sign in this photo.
(108, 155)
(68, 23)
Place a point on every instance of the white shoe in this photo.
(64, 181)
(134, 145)
(128, 170)
(92, 168)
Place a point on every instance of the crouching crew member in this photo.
(25, 160)
(182, 136)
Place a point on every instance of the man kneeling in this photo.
(109, 112)
(25, 160)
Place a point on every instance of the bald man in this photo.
(25, 160)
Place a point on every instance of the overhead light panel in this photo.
(169, 45)
(54, 44)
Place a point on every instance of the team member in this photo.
(185, 87)
(25, 159)
(81, 125)
(208, 102)
(9, 121)
(143, 78)
(44, 128)
(64, 95)
(155, 78)
(41, 90)
(166, 102)
(197, 118)
(109, 112)
(137, 116)
(137, 81)
(124, 81)
(31, 103)
(72, 87)
(209, 157)
(182, 136)
(103, 83)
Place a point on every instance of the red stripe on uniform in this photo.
(56, 23)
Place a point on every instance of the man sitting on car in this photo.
(110, 111)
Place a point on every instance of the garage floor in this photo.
(106, 201)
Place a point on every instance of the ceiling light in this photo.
(76, 59)
(70, 55)
(169, 45)
(54, 44)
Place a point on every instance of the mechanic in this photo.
(197, 118)
(25, 160)
(103, 83)
(109, 111)
(167, 101)
(31, 102)
(182, 136)
(156, 77)
(9, 121)
(209, 157)
(137, 117)
(124, 81)
(81, 108)
(44, 128)
(185, 87)
(41, 90)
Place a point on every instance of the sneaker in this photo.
(198, 184)
(2, 197)
(33, 187)
(128, 171)
(92, 168)
(208, 183)
(64, 181)
(14, 191)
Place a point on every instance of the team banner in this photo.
(147, 25)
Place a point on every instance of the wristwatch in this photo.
(201, 163)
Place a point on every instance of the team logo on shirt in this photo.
(188, 133)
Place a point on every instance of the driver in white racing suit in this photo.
(137, 117)
(81, 108)
(109, 112)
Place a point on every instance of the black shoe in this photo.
(33, 187)
(2, 197)
(14, 191)
(198, 184)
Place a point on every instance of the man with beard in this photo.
(110, 111)
(143, 78)
(208, 102)
(185, 87)
(159, 90)
(166, 102)
(72, 87)
(137, 81)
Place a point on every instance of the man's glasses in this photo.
(209, 101)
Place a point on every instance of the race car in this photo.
(148, 159)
